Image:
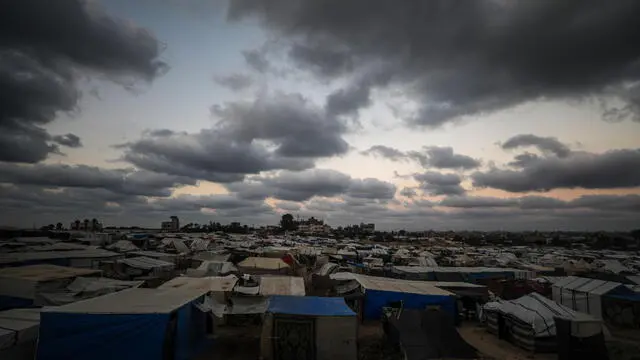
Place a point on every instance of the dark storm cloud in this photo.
(444, 158)
(272, 133)
(348, 101)
(291, 122)
(458, 58)
(256, 60)
(235, 82)
(207, 155)
(371, 189)
(68, 140)
(524, 160)
(544, 144)
(126, 182)
(435, 183)
(79, 202)
(322, 59)
(385, 152)
(304, 185)
(45, 47)
(430, 157)
(624, 203)
(408, 192)
(612, 169)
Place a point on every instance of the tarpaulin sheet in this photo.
(101, 336)
(309, 305)
(191, 337)
(375, 300)
(428, 335)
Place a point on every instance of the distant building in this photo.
(172, 225)
(86, 225)
(368, 228)
(313, 228)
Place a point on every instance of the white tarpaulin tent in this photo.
(537, 311)
(583, 294)
(530, 320)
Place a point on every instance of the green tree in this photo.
(287, 223)
(59, 226)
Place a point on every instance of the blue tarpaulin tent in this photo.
(131, 324)
(321, 328)
(309, 305)
(380, 292)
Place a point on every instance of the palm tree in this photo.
(59, 226)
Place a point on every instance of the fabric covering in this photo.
(428, 335)
(309, 305)
(537, 311)
(375, 300)
(101, 336)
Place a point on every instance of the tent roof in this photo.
(586, 285)
(11, 258)
(147, 263)
(17, 326)
(44, 272)
(281, 285)
(398, 285)
(206, 284)
(133, 301)
(538, 311)
(263, 263)
(309, 305)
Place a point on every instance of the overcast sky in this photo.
(425, 114)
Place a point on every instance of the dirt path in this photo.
(494, 348)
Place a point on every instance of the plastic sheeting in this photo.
(537, 311)
(309, 305)
(84, 288)
(81, 336)
(427, 335)
(375, 300)
(18, 326)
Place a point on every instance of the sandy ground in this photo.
(494, 348)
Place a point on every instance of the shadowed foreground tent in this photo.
(427, 334)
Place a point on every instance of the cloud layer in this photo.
(454, 58)
(45, 48)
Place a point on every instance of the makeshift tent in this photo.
(577, 340)
(212, 268)
(380, 292)
(529, 321)
(429, 334)
(21, 286)
(584, 294)
(18, 333)
(131, 324)
(259, 266)
(83, 288)
(309, 328)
